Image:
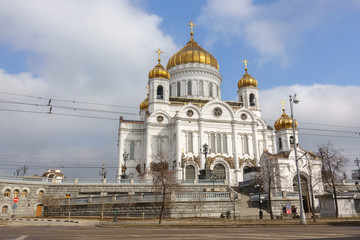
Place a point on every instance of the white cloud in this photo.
(322, 105)
(86, 50)
(273, 28)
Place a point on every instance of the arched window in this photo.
(159, 92)
(225, 147)
(280, 143)
(178, 89)
(7, 193)
(24, 193)
(201, 88)
(189, 88)
(170, 90)
(291, 141)
(16, 193)
(190, 142)
(131, 175)
(210, 90)
(41, 194)
(212, 141)
(159, 147)
(4, 209)
(252, 99)
(241, 99)
(218, 143)
(219, 171)
(246, 144)
(132, 150)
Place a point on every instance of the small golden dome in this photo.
(247, 81)
(159, 72)
(192, 53)
(145, 104)
(284, 122)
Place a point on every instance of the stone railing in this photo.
(79, 181)
(113, 199)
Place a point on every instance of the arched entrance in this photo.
(190, 172)
(304, 191)
(219, 171)
(39, 209)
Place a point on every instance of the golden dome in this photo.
(159, 72)
(145, 104)
(284, 122)
(247, 81)
(192, 53)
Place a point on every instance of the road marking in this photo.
(22, 237)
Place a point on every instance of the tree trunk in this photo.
(335, 199)
(162, 206)
(270, 207)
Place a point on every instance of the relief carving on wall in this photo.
(229, 160)
(248, 161)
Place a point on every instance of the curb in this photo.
(38, 220)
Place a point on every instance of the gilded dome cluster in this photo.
(247, 81)
(284, 122)
(192, 53)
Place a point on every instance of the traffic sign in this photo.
(16, 199)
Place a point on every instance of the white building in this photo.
(184, 110)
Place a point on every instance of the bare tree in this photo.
(270, 175)
(314, 180)
(333, 163)
(199, 201)
(21, 171)
(164, 183)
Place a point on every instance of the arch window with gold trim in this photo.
(16, 193)
(4, 209)
(7, 193)
(24, 193)
(41, 194)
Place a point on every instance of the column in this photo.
(255, 143)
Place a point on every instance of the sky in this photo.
(92, 58)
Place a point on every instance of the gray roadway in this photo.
(72, 231)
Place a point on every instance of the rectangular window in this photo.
(212, 147)
(225, 148)
(218, 143)
(159, 147)
(190, 142)
(132, 150)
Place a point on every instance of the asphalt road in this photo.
(30, 232)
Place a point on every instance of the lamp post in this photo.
(258, 186)
(206, 172)
(125, 156)
(293, 100)
(183, 165)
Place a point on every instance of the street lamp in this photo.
(125, 156)
(293, 100)
(183, 165)
(258, 186)
(206, 172)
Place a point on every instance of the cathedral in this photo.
(184, 122)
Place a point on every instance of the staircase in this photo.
(245, 207)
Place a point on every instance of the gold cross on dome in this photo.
(283, 105)
(191, 27)
(159, 52)
(245, 62)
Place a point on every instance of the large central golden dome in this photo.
(192, 53)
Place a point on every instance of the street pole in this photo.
(302, 212)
